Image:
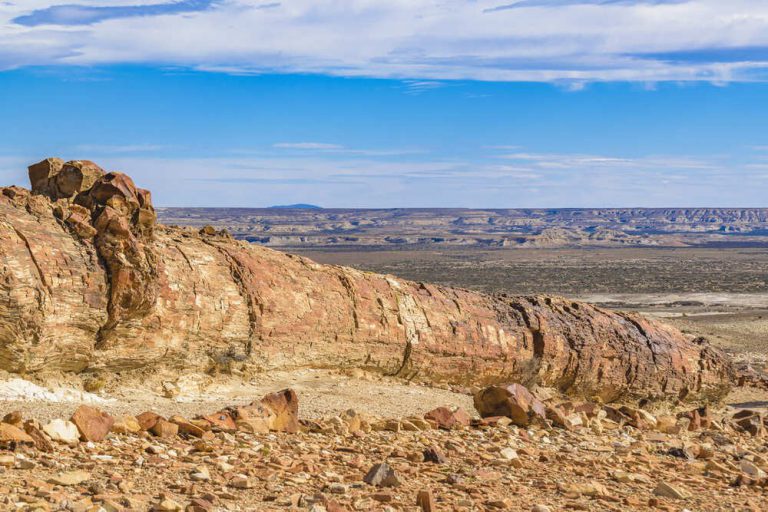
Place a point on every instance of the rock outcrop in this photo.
(89, 281)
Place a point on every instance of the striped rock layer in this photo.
(89, 281)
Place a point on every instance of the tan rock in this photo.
(668, 490)
(12, 437)
(70, 478)
(186, 427)
(164, 428)
(426, 501)
(126, 425)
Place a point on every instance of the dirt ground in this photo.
(322, 393)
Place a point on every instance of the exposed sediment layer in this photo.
(87, 280)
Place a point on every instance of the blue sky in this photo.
(536, 103)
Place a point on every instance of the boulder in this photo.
(42, 174)
(93, 424)
(75, 177)
(62, 431)
(513, 401)
(126, 425)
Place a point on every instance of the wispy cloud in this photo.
(323, 147)
(127, 148)
(577, 161)
(423, 42)
(308, 145)
(525, 180)
(74, 14)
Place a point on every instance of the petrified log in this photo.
(88, 281)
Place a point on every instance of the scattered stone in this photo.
(513, 401)
(426, 501)
(434, 455)
(446, 418)
(12, 437)
(126, 425)
(667, 490)
(163, 428)
(70, 478)
(382, 475)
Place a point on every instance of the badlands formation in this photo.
(609, 411)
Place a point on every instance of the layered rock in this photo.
(89, 281)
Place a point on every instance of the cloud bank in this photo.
(568, 41)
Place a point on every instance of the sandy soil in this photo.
(321, 393)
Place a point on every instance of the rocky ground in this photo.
(603, 460)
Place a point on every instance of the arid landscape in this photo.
(152, 367)
(377, 256)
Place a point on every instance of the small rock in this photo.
(434, 455)
(69, 478)
(201, 474)
(126, 425)
(168, 505)
(426, 501)
(447, 419)
(382, 475)
(667, 490)
(240, 482)
(163, 428)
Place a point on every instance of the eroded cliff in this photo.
(89, 281)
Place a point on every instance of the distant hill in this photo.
(304, 225)
(298, 206)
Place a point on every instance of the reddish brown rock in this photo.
(426, 501)
(749, 421)
(148, 419)
(187, 428)
(446, 418)
(93, 424)
(221, 420)
(32, 428)
(513, 401)
(105, 287)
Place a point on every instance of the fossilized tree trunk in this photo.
(88, 281)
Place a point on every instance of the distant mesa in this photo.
(298, 206)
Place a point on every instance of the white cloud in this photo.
(425, 40)
(307, 145)
(342, 180)
(577, 161)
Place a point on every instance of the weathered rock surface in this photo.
(87, 280)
